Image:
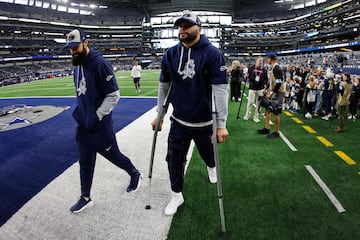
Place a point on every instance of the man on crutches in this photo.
(196, 71)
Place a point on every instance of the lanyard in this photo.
(258, 73)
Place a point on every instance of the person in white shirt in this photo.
(136, 74)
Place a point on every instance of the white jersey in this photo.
(135, 72)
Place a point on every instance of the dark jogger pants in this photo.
(235, 90)
(327, 96)
(103, 142)
(178, 146)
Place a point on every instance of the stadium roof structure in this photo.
(36, 27)
(237, 8)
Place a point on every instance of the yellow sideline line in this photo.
(309, 129)
(324, 141)
(297, 120)
(289, 114)
(345, 157)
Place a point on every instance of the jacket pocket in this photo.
(86, 117)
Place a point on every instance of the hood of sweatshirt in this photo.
(186, 64)
(91, 56)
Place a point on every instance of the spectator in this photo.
(328, 92)
(319, 78)
(136, 74)
(296, 94)
(310, 96)
(354, 99)
(257, 83)
(345, 88)
(235, 81)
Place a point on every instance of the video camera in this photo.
(266, 103)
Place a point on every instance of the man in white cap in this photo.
(194, 68)
(97, 94)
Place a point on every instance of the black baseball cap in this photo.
(272, 56)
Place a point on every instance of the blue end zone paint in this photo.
(31, 157)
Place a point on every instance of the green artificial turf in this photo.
(65, 86)
(268, 193)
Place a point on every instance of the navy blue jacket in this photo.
(192, 71)
(99, 81)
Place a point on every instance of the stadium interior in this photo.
(33, 32)
(268, 194)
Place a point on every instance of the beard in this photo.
(79, 58)
(189, 37)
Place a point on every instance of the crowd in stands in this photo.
(27, 72)
(311, 84)
(313, 87)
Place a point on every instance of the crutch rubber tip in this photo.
(148, 207)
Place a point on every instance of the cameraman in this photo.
(275, 93)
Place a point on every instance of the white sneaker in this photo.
(246, 117)
(326, 118)
(256, 120)
(350, 117)
(212, 175)
(176, 201)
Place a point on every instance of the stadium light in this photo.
(29, 20)
(89, 26)
(352, 17)
(122, 27)
(53, 34)
(123, 36)
(60, 24)
(60, 40)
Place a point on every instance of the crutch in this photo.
(217, 165)
(161, 113)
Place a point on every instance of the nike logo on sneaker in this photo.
(108, 149)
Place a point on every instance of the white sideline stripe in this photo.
(51, 205)
(325, 188)
(288, 143)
